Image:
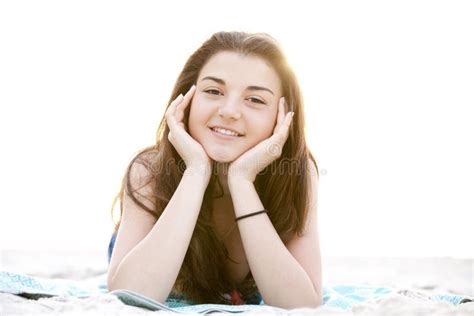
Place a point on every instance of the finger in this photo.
(171, 122)
(172, 107)
(289, 118)
(183, 104)
(285, 127)
(170, 113)
(280, 115)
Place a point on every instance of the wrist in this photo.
(239, 176)
(199, 172)
(236, 181)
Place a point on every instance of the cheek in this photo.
(269, 122)
(262, 129)
(198, 117)
(198, 108)
(192, 119)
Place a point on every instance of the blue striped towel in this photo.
(337, 297)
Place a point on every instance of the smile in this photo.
(224, 134)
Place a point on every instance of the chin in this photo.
(222, 157)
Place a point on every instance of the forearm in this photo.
(151, 268)
(280, 278)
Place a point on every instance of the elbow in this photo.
(314, 303)
(317, 296)
(114, 283)
(110, 284)
(118, 284)
(318, 301)
(111, 278)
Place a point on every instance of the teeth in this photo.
(225, 131)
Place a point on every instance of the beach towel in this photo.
(338, 297)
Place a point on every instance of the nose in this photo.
(230, 109)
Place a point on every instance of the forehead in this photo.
(239, 70)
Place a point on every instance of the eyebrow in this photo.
(252, 88)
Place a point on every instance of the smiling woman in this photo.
(227, 101)
(235, 224)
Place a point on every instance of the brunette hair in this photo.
(283, 186)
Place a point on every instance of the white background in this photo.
(388, 87)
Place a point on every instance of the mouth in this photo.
(225, 134)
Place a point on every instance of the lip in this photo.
(227, 128)
(222, 136)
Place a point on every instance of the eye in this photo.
(212, 91)
(255, 100)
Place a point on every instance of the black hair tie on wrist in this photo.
(251, 214)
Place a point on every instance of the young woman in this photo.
(223, 208)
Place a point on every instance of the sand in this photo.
(426, 275)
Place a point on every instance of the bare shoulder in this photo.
(140, 176)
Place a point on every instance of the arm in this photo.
(282, 281)
(152, 266)
(149, 253)
(287, 278)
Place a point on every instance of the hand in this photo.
(191, 151)
(250, 163)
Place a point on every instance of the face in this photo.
(234, 94)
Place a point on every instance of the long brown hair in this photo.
(283, 186)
